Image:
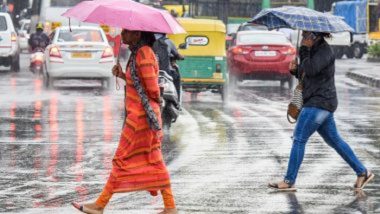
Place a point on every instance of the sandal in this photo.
(289, 188)
(368, 176)
(153, 193)
(84, 209)
(169, 211)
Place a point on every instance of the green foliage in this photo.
(374, 50)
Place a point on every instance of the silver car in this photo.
(9, 48)
(24, 34)
(78, 53)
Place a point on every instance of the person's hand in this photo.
(307, 42)
(117, 70)
(293, 65)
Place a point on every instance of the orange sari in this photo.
(138, 163)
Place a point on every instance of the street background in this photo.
(57, 146)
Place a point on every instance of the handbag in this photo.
(296, 103)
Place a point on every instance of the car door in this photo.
(5, 36)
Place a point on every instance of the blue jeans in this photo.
(315, 119)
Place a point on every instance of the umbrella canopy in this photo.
(301, 18)
(125, 14)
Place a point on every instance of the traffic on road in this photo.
(125, 106)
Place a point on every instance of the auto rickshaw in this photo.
(204, 67)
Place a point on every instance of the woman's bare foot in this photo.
(169, 211)
(282, 186)
(90, 208)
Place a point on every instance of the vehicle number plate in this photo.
(81, 55)
(265, 53)
(217, 76)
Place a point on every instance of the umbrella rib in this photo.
(166, 20)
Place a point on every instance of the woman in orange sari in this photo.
(138, 164)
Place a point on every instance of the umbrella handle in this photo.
(117, 62)
(117, 82)
(70, 25)
(298, 47)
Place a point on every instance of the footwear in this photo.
(169, 211)
(288, 188)
(85, 209)
(368, 176)
(153, 193)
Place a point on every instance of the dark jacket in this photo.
(318, 64)
(172, 49)
(38, 40)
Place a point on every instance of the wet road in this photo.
(56, 146)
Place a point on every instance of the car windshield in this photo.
(257, 38)
(3, 24)
(80, 35)
(232, 28)
(250, 27)
(65, 3)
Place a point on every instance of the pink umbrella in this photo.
(125, 14)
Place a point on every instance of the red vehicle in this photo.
(261, 55)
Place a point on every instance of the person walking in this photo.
(138, 163)
(316, 71)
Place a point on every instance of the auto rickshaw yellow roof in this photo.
(204, 25)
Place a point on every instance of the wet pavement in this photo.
(56, 146)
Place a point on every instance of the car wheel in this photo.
(358, 50)
(46, 81)
(349, 52)
(338, 52)
(15, 66)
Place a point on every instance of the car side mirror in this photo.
(183, 46)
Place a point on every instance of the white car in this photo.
(24, 34)
(9, 48)
(78, 53)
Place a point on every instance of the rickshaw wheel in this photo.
(194, 96)
(233, 81)
(224, 93)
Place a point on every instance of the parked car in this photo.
(261, 55)
(9, 48)
(24, 34)
(78, 53)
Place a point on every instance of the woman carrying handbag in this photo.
(319, 102)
